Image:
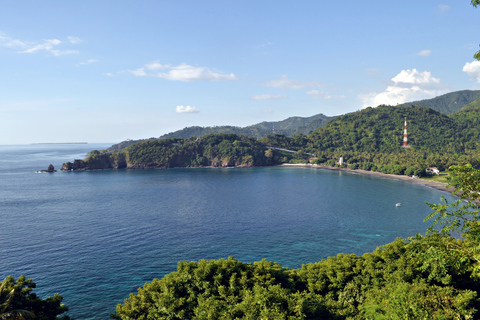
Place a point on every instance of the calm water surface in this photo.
(95, 236)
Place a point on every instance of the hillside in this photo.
(448, 103)
(381, 130)
(471, 105)
(287, 127)
(215, 150)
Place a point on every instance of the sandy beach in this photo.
(433, 184)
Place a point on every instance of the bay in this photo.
(96, 236)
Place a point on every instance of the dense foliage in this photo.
(18, 301)
(476, 3)
(217, 150)
(387, 283)
(380, 129)
(372, 138)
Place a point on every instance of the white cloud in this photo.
(269, 96)
(442, 8)
(319, 95)
(48, 45)
(472, 69)
(182, 72)
(186, 109)
(424, 53)
(408, 85)
(155, 66)
(268, 111)
(284, 83)
(414, 77)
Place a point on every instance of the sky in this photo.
(108, 71)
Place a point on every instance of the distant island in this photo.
(59, 143)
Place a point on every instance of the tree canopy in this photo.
(18, 301)
(476, 3)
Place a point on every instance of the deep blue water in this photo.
(95, 236)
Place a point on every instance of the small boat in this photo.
(398, 205)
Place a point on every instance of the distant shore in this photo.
(433, 184)
(81, 142)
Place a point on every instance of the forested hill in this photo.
(287, 127)
(381, 130)
(448, 103)
(215, 150)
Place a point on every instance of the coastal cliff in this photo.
(214, 150)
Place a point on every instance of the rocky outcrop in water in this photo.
(50, 168)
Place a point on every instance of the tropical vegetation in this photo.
(18, 301)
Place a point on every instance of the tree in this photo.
(476, 3)
(7, 295)
(19, 302)
(462, 216)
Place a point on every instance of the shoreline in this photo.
(432, 184)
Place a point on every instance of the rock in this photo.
(67, 166)
(50, 168)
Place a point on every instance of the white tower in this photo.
(405, 144)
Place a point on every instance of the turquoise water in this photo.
(96, 236)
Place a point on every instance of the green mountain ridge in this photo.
(288, 127)
(448, 103)
(380, 129)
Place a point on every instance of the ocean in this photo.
(96, 236)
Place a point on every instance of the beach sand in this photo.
(433, 184)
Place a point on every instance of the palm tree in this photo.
(4, 306)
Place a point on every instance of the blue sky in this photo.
(107, 71)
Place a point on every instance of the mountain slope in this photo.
(288, 127)
(448, 103)
(381, 130)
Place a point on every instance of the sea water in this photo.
(96, 236)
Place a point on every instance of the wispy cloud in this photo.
(408, 85)
(319, 95)
(74, 40)
(424, 53)
(51, 46)
(284, 83)
(186, 109)
(182, 72)
(372, 71)
(473, 69)
(89, 61)
(33, 105)
(442, 8)
(139, 72)
(269, 96)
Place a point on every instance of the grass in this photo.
(441, 177)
